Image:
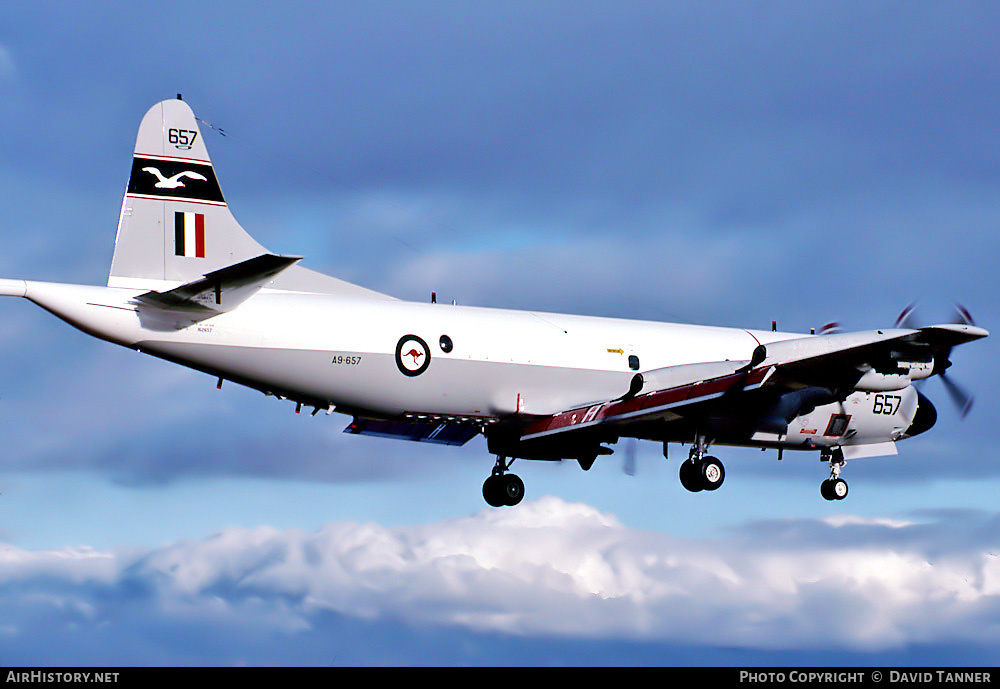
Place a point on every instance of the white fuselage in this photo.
(341, 351)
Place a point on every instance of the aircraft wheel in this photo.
(712, 473)
(691, 476)
(833, 489)
(838, 487)
(513, 489)
(493, 491)
(824, 490)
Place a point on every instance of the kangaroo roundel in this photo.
(413, 356)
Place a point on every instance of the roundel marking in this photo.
(413, 356)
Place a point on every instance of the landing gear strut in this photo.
(701, 472)
(834, 488)
(502, 488)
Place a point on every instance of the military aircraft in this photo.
(189, 285)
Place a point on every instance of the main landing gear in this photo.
(701, 472)
(834, 488)
(502, 488)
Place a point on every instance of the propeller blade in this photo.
(629, 464)
(830, 328)
(962, 316)
(962, 399)
(907, 318)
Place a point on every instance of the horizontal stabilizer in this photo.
(439, 433)
(221, 290)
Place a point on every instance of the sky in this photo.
(719, 163)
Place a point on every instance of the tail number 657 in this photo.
(886, 404)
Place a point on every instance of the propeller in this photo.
(963, 399)
(942, 360)
(907, 317)
(628, 465)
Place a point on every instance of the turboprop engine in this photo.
(906, 373)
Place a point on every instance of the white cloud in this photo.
(550, 569)
(855, 520)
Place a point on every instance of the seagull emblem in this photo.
(172, 182)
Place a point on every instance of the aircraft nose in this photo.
(924, 419)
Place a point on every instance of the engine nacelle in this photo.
(908, 371)
(863, 418)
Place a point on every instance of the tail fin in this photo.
(175, 226)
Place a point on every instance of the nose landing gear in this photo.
(502, 488)
(833, 488)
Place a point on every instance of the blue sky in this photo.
(715, 163)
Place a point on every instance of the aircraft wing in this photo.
(654, 404)
(838, 361)
(832, 362)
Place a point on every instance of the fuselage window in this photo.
(838, 424)
(446, 344)
(633, 362)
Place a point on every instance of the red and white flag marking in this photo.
(189, 234)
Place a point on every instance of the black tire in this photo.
(513, 489)
(691, 476)
(493, 492)
(826, 490)
(712, 473)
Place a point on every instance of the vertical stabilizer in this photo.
(175, 226)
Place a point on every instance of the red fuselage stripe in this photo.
(611, 410)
